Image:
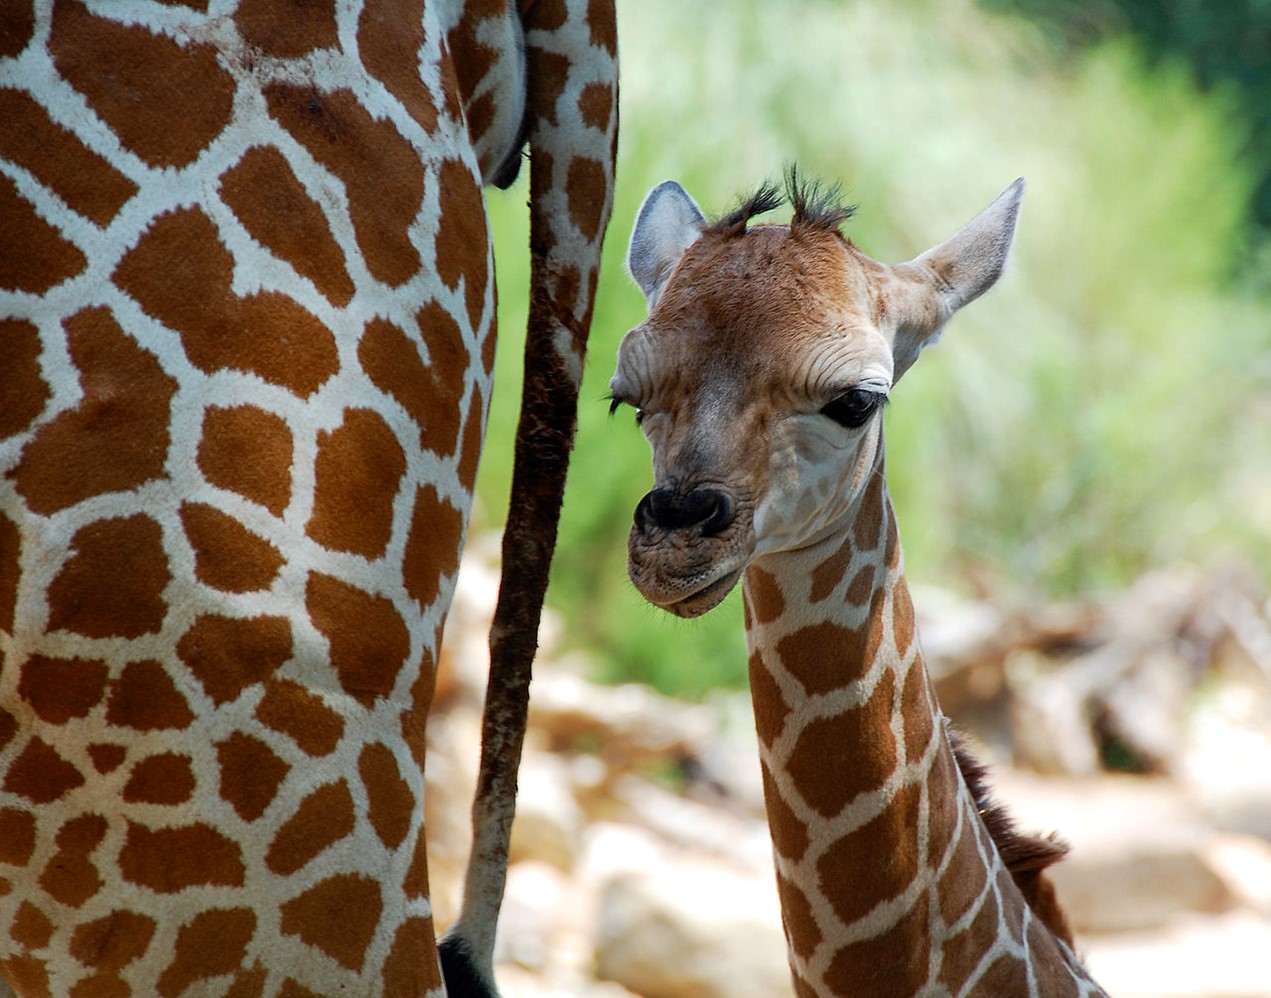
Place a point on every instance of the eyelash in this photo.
(616, 403)
(853, 408)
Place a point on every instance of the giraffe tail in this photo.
(543, 443)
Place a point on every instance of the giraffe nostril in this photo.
(721, 515)
(708, 510)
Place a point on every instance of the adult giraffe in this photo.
(759, 379)
(246, 340)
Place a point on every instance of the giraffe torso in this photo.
(246, 339)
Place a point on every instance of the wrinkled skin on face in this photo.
(759, 378)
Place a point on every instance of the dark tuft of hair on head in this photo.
(816, 206)
(765, 199)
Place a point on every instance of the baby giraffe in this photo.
(759, 380)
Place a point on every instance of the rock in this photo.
(535, 908)
(549, 823)
(692, 931)
(1142, 890)
(1223, 957)
(1140, 853)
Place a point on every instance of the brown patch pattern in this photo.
(878, 860)
(411, 966)
(763, 595)
(473, 438)
(802, 932)
(17, 24)
(815, 656)
(33, 255)
(250, 774)
(771, 709)
(23, 391)
(789, 834)
(212, 943)
(322, 819)
(868, 525)
(861, 588)
(10, 566)
(289, 708)
(59, 689)
(916, 708)
(165, 101)
(166, 778)
(59, 160)
(368, 638)
(902, 619)
(894, 962)
(112, 942)
(31, 928)
(596, 105)
(390, 801)
(248, 451)
(432, 547)
(431, 394)
(167, 860)
(358, 470)
(380, 169)
(70, 876)
(107, 758)
(827, 575)
(462, 245)
(227, 555)
(41, 775)
(964, 879)
(337, 916)
(117, 437)
(287, 28)
(17, 836)
(587, 189)
(144, 698)
(228, 654)
(389, 37)
(962, 953)
(837, 758)
(274, 207)
(180, 273)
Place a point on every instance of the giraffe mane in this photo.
(816, 205)
(1026, 856)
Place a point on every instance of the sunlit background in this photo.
(1084, 462)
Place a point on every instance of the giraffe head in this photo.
(760, 374)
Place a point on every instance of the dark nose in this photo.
(708, 510)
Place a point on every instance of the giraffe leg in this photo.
(572, 134)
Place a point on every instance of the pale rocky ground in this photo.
(620, 886)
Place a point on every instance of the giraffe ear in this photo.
(668, 223)
(955, 273)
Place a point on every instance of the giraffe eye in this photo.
(852, 409)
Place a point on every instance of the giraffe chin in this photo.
(699, 601)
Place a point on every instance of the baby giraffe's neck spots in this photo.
(889, 880)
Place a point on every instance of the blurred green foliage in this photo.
(1105, 409)
(1226, 45)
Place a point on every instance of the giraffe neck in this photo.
(890, 881)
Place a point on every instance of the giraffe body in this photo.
(246, 340)
(759, 379)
